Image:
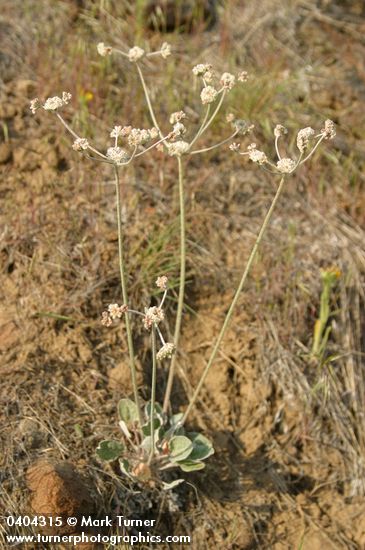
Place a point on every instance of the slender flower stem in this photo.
(201, 126)
(125, 297)
(223, 142)
(181, 287)
(234, 301)
(214, 113)
(277, 147)
(312, 151)
(76, 136)
(147, 96)
(153, 393)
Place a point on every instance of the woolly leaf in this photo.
(128, 412)
(109, 450)
(180, 448)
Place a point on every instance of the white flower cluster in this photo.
(153, 316)
(116, 132)
(255, 155)
(166, 351)
(208, 95)
(165, 50)
(140, 137)
(135, 137)
(286, 165)
(280, 130)
(178, 148)
(177, 117)
(135, 54)
(205, 71)
(243, 76)
(303, 138)
(103, 50)
(118, 155)
(52, 103)
(228, 80)
(329, 130)
(114, 312)
(161, 282)
(34, 105)
(178, 130)
(80, 144)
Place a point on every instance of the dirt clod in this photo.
(59, 490)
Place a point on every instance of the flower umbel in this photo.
(104, 50)
(165, 50)
(166, 351)
(117, 155)
(135, 54)
(116, 311)
(53, 103)
(161, 282)
(286, 165)
(208, 95)
(228, 80)
(303, 138)
(34, 105)
(80, 144)
(329, 130)
(153, 316)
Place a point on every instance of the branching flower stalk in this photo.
(117, 157)
(284, 167)
(179, 148)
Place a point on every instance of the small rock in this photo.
(5, 152)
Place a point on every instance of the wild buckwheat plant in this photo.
(153, 438)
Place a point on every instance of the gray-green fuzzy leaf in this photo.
(202, 447)
(109, 450)
(190, 466)
(180, 448)
(128, 411)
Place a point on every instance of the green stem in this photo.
(181, 286)
(125, 297)
(153, 393)
(234, 301)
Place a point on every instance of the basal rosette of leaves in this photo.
(174, 447)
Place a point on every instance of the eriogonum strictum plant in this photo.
(155, 439)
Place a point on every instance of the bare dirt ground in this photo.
(289, 430)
